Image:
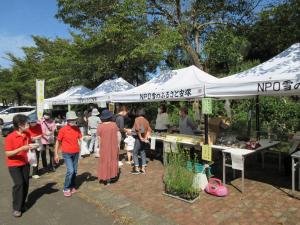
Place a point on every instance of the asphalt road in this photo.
(47, 205)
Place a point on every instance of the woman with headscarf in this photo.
(107, 133)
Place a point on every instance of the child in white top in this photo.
(129, 145)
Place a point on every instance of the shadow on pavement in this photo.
(84, 177)
(39, 192)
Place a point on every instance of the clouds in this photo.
(13, 44)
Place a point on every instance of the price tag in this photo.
(206, 105)
(206, 152)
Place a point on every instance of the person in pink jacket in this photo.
(48, 128)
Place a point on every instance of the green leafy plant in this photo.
(178, 179)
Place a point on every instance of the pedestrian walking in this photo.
(68, 141)
(48, 127)
(107, 133)
(16, 148)
(93, 122)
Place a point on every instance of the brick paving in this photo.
(138, 199)
(266, 199)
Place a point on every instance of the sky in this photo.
(19, 19)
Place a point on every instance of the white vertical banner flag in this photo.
(40, 97)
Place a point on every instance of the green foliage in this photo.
(280, 115)
(225, 49)
(276, 29)
(178, 179)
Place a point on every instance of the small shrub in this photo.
(178, 179)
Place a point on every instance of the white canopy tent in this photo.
(186, 83)
(68, 97)
(277, 76)
(103, 92)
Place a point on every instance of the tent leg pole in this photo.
(206, 128)
(257, 118)
(69, 108)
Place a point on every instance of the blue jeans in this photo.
(71, 161)
(139, 147)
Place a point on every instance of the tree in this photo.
(276, 29)
(190, 20)
(225, 50)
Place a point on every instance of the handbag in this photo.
(216, 188)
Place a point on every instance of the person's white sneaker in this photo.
(35, 176)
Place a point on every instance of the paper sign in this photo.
(206, 106)
(206, 152)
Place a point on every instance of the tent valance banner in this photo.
(277, 76)
(173, 85)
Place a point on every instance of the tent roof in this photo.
(104, 90)
(108, 86)
(277, 76)
(67, 96)
(173, 85)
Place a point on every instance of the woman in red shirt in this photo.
(68, 141)
(16, 147)
(35, 131)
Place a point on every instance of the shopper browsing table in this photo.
(16, 147)
(68, 141)
(142, 132)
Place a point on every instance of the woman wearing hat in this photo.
(107, 133)
(68, 141)
(93, 122)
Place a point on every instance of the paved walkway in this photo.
(138, 199)
(47, 204)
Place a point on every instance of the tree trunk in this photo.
(194, 55)
(197, 43)
(19, 98)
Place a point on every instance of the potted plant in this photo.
(178, 179)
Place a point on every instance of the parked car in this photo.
(7, 115)
(9, 127)
(2, 107)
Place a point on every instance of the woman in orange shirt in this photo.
(16, 147)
